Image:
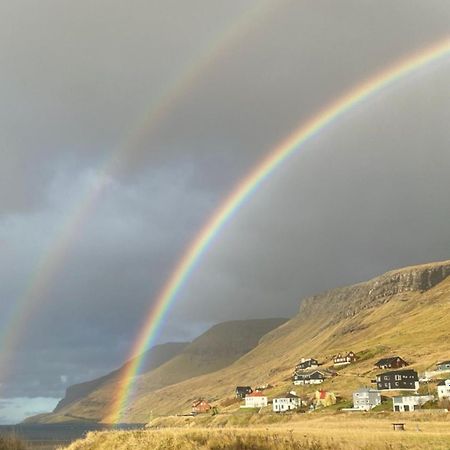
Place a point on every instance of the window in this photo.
(398, 377)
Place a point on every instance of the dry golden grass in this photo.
(309, 433)
(11, 443)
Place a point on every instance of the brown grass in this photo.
(309, 432)
(11, 443)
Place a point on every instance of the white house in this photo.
(288, 402)
(411, 403)
(443, 389)
(365, 399)
(255, 400)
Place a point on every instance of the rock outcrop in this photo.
(348, 301)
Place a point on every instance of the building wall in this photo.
(255, 402)
(314, 381)
(407, 404)
(366, 400)
(284, 404)
(444, 391)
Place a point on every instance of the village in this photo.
(396, 388)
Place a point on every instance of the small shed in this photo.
(200, 406)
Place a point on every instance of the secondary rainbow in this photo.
(242, 192)
(52, 259)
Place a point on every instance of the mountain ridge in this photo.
(403, 311)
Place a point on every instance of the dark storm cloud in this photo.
(367, 195)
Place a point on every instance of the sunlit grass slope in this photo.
(215, 349)
(402, 312)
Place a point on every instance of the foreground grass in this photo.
(320, 433)
(11, 443)
(198, 440)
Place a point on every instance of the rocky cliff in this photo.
(348, 301)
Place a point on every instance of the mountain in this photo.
(153, 358)
(402, 312)
(217, 348)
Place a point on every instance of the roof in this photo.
(242, 388)
(309, 374)
(199, 402)
(399, 372)
(443, 382)
(443, 362)
(385, 361)
(290, 395)
(366, 389)
(255, 394)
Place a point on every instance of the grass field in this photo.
(305, 432)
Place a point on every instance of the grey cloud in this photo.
(366, 195)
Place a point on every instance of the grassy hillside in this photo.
(153, 358)
(402, 312)
(215, 349)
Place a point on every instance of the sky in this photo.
(368, 194)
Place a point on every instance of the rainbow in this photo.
(52, 259)
(243, 191)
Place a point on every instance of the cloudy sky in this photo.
(82, 129)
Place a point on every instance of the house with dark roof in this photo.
(398, 380)
(393, 362)
(307, 363)
(242, 391)
(287, 402)
(443, 366)
(344, 359)
(308, 377)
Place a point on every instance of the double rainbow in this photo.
(52, 260)
(243, 191)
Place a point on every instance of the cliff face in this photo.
(348, 301)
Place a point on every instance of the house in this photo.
(443, 366)
(309, 363)
(412, 403)
(255, 400)
(324, 398)
(394, 362)
(398, 380)
(344, 359)
(200, 406)
(443, 389)
(310, 377)
(287, 403)
(242, 391)
(365, 399)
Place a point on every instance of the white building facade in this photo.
(410, 403)
(444, 390)
(286, 403)
(365, 399)
(255, 400)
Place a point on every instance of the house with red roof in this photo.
(200, 406)
(256, 399)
